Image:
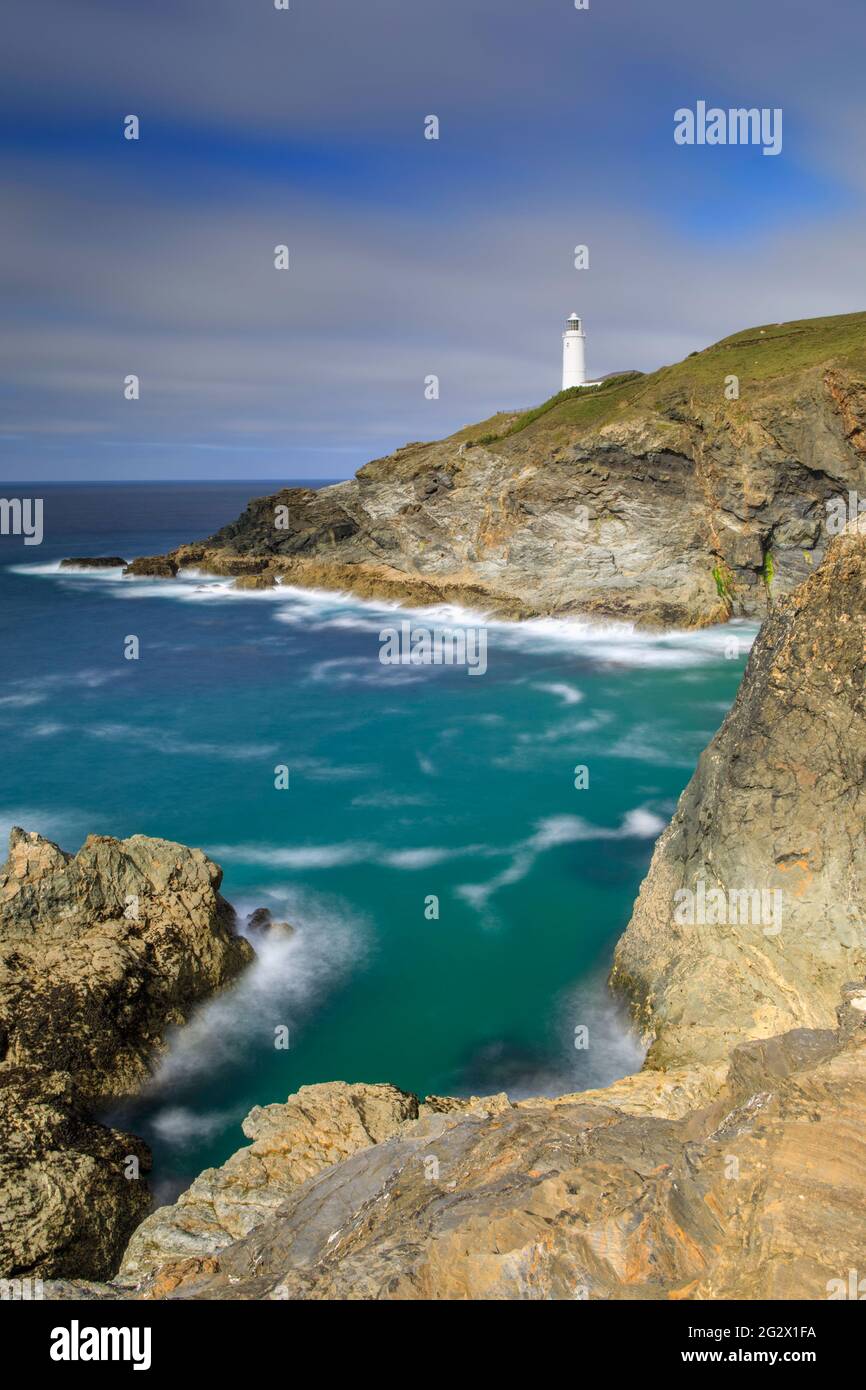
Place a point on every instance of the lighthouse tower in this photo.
(573, 354)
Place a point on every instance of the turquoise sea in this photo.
(406, 784)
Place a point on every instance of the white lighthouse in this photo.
(573, 354)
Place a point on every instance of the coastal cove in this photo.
(404, 783)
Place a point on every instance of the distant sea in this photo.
(406, 785)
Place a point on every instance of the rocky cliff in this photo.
(677, 498)
(751, 916)
(100, 953)
(733, 1166)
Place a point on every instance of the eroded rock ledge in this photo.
(758, 1194)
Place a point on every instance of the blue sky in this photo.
(409, 257)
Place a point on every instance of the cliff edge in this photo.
(681, 498)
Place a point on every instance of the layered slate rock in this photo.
(669, 500)
(777, 806)
(100, 953)
(313, 1129)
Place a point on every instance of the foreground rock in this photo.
(317, 1127)
(658, 499)
(760, 1194)
(767, 842)
(100, 953)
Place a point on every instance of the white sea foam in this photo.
(389, 801)
(363, 670)
(287, 979)
(568, 694)
(161, 741)
(38, 569)
(612, 1051)
(425, 858)
(337, 856)
(616, 644)
(182, 1127)
(23, 701)
(647, 743)
(295, 856)
(639, 823)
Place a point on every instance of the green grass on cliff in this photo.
(756, 356)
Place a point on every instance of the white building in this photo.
(574, 355)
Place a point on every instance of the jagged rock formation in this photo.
(99, 953)
(760, 1194)
(660, 499)
(313, 1129)
(103, 950)
(153, 567)
(777, 808)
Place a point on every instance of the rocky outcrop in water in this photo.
(93, 562)
(152, 567)
(678, 498)
(100, 953)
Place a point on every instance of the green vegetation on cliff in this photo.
(756, 355)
